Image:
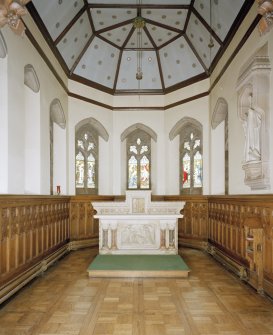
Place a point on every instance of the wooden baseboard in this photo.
(79, 244)
(235, 267)
(191, 243)
(268, 287)
(14, 285)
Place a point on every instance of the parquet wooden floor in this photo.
(65, 301)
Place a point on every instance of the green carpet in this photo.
(138, 263)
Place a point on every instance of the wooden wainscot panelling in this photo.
(34, 232)
(84, 229)
(241, 237)
(193, 227)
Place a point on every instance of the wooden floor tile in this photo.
(65, 301)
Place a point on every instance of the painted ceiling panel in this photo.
(179, 39)
(145, 43)
(178, 62)
(175, 18)
(105, 17)
(200, 39)
(160, 35)
(56, 15)
(99, 63)
(74, 41)
(118, 35)
(128, 67)
(221, 16)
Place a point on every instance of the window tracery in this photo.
(139, 160)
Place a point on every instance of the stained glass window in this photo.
(191, 160)
(86, 160)
(80, 170)
(139, 160)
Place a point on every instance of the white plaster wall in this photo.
(3, 126)
(78, 111)
(20, 53)
(196, 109)
(32, 143)
(226, 88)
(59, 159)
(217, 170)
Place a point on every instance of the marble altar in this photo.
(138, 225)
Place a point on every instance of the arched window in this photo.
(190, 155)
(138, 160)
(191, 161)
(86, 151)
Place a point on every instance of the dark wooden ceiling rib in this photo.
(150, 37)
(171, 40)
(40, 24)
(91, 83)
(141, 49)
(114, 26)
(81, 54)
(91, 101)
(196, 53)
(152, 108)
(108, 41)
(71, 23)
(89, 16)
(144, 6)
(128, 37)
(162, 25)
(139, 92)
(184, 101)
(139, 11)
(207, 26)
(117, 70)
(160, 70)
(188, 15)
(186, 83)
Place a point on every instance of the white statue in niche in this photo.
(252, 128)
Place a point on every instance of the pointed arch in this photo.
(94, 123)
(31, 79)
(139, 126)
(220, 112)
(57, 113)
(186, 121)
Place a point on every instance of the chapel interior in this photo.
(104, 98)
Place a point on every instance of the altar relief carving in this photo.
(138, 226)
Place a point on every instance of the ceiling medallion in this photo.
(10, 14)
(139, 22)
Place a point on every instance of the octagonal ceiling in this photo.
(97, 44)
